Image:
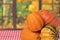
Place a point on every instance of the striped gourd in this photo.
(48, 33)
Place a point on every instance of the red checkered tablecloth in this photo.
(10, 34)
(59, 35)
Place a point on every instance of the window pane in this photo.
(47, 7)
(8, 23)
(6, 19)
(1, 12)
(7, 10)
(22, 11)
(46, 1)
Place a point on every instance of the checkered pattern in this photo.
(59, 35)
(10, 34)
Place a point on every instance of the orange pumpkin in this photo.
(26, 34)
(54, 22)
(34, 21)
(48, 16)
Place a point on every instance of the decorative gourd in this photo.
(48, 33)
(34, 21)
(48, 17)
(54, 22)
(26, 34)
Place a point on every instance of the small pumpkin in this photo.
(34, 21)
(49, 17)
(49, 33)
(54, 22)
(26, 34)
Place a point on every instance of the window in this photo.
(52, 5)
(13, 13)
(6, 14)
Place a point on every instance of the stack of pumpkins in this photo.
(41, 26)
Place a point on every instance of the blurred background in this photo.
(13, 13)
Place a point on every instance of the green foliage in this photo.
(24, 11)
(1, 9)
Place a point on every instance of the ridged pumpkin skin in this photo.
(48, 17)
(34, 21)
(55, 22)
(48, 33)
(26, 34)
